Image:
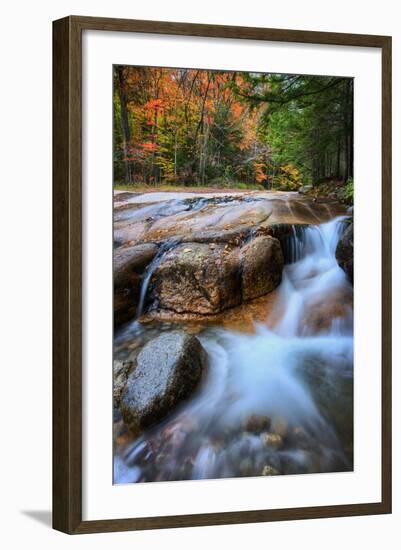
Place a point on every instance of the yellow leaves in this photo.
(291, 170)
(289, 177)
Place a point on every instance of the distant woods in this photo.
(210, 128)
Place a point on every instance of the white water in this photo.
(164, 248)
(299, 374)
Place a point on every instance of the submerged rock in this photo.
(332, 387)
(322, 311)
(280, 426)
(256, 423)
(345, 252)
(129, 264)
(121, 369)
(269, 471)
(167, 371)
(272, 440)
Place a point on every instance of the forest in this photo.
(192, 127)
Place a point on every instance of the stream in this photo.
(274, 400)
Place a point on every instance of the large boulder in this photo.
(130, 263)
(208, 278)
(167, 371)
(345, 252)
(197, 278)
(262, 266)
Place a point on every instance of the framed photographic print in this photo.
(222, 274)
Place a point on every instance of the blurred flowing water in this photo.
(279, 401)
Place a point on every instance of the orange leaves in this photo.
(149, 146)
(236, 109)
(154, 105)
(189, 125)
(260, 176)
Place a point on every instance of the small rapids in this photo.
(278, 401)
(164, 248)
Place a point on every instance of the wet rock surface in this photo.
(155, 217)
(332, 386)
(130, 263)
(121, 370)
(205, 279)
(261, 267)
(197, 278)
(345, 252)
(167, 371)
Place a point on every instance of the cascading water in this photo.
(312, 280)
(164, 248)
(295, 378)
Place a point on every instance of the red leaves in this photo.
(155, 105)
(138, 153)
(149, 146)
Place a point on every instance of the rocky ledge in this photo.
(202, 278)
(345, 252)
(203, 255)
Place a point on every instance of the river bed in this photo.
(277, 396)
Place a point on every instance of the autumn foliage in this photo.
(198, 127)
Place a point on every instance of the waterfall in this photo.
(165, 247)
(311, 275)
(302, 240)
(297, 374)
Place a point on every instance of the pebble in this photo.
(272, 440)
(279, 426)
(269, 471)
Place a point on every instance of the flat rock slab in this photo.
(159, 216)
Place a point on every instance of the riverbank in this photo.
(142, 188)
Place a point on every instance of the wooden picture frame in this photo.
(67, 273)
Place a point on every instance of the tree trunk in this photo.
(348, 131)
(124, 124)
(351, 130)
(204, 154)
(338, 159)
